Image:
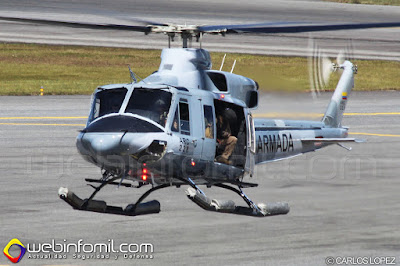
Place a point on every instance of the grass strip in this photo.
(66, 70)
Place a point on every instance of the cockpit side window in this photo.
(219, 80)
(107, 101)
(184, 117)
(150, 103)
(175, 122)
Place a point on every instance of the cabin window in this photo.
(208, 122)
(219, 80)
(184, 118)
(150, 103)
(107, 102)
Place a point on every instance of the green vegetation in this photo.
(369, 2)
(25, 68)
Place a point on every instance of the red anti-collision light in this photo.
(144, 173)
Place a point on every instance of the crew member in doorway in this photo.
(225, 139)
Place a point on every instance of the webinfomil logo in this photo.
(18, 244)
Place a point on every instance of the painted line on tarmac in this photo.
(42, 117)
(83, 125)
(374, 134)
(266, 115)
(294, 115)
(42, 124)
(372, 114)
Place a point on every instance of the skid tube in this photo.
(194, 193)
(89, 204)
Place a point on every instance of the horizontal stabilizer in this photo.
(331, 140)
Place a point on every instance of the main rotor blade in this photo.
(141, 28)
(266, 27)
(290, 27)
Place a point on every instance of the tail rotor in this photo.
(320, 66)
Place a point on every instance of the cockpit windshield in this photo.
(150, 103)
(107, 101)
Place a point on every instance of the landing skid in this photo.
(194, 193)
(260, 210)
(138, 208)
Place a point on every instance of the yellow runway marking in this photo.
(374, 134)
(273, 115)
(355, 114)
(42, 117)
(83, 125)
(42, 124)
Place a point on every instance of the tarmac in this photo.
(343, 203)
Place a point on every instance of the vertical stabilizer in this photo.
(334, 113)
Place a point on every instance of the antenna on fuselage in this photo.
(133, 76)
(233, 66)
(223, 61)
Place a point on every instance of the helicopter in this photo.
(165, 130)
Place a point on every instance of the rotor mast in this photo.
(187, 33)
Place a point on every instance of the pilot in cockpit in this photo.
(162, 111)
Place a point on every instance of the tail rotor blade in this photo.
(319, 67)
(340, 57)
(326, 66)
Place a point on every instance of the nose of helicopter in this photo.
(116, 135)
(102, 144)
(105, 143)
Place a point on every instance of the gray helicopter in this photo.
(187, 124)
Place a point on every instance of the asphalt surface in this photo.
(369, 43)
(343, 203)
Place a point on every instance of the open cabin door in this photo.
(208, 129)
(251, 144)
